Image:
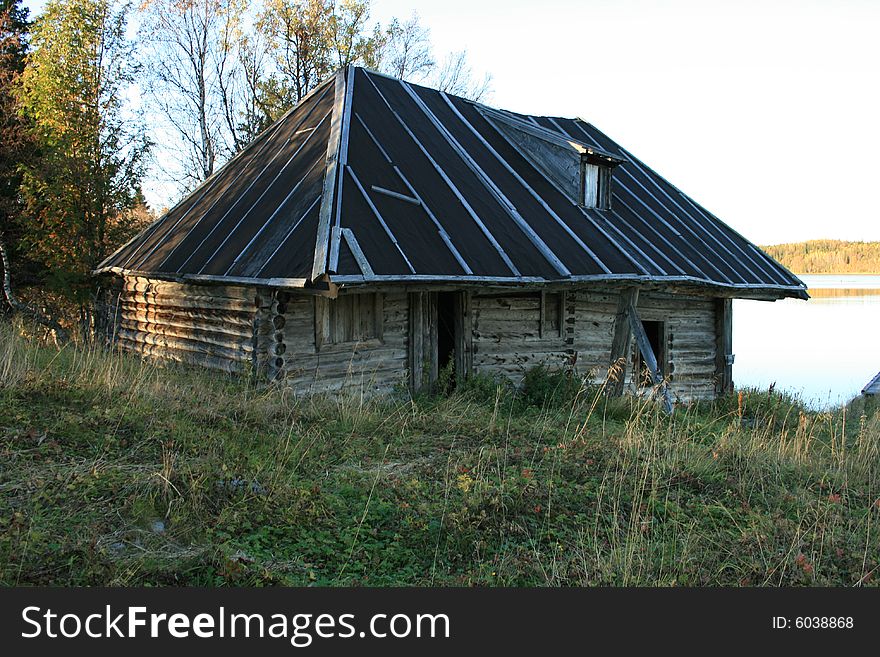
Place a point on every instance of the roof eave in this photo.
(740, 291)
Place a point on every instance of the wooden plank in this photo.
(543, 313)
(326, 211)
(379, 316)
(358, 253)
(638, 330)
(723, 346)
(397, 195)
(464, 336)
(416, 341)
(343, 161)
(620, 340)
(322, 322)
(431, 323)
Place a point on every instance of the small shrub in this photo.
(484, 388)
(542, 387)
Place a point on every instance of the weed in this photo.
(118, 471)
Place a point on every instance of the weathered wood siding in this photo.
(593, 331)
(212, 326)
(690, 335)
(508, 340)
(507, 334)
(236, 328)
(372, 365)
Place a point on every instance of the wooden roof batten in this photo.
(505, 203)
(635, 162)
(649, 209)
(456, 178)
(415, 196)
(325, 212)
(586, 211)
(452, 187)
(528, 188)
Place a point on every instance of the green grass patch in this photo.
(115, 471)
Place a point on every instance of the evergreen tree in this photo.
(93, 145)
(15, 143)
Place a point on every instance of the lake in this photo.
(825, 349)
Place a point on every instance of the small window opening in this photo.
(595, 191)
(349, 319)
(552, 309)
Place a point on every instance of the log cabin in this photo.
(382, 231)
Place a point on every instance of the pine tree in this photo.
(92, 144)
(15, 143)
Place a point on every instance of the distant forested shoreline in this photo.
(828, 256)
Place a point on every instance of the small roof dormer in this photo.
(581, 172)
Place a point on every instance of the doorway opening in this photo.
(446, 340)
(655, 331)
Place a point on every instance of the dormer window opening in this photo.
(595, 186)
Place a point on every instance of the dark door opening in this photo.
(446, 337)
(655, 332)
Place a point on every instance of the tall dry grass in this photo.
(555, 484)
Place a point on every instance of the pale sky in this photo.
(765, 111)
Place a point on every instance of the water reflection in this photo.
(825, 349)
(824, 293)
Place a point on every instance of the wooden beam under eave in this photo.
(621, 340)
(723, 346)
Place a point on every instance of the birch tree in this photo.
(16, 145)
(192, 79)
(308, 40)
(455, 76)
(406, 50)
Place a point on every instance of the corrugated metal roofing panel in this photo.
(371, 178)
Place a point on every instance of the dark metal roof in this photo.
(375, 179)
(873, 387)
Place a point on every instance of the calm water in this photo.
(825, 349)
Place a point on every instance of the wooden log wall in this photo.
(594, 332)
(373, 365)
(507, 334)
(507, 339)
(212, 326)
(238, 328)
(691, 344)
(422, 331)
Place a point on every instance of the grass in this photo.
(115, 471)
